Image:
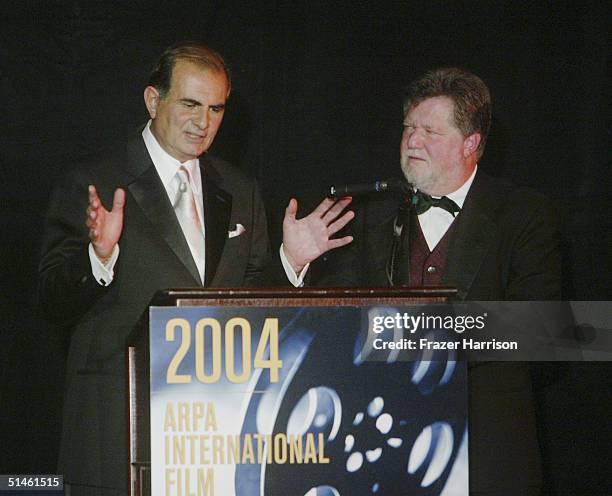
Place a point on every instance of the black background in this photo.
(316, 100)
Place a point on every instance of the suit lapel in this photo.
(377, 231)
(217, 212)
(403, 277)
(150, 195)
(472, 238)
(399, 253)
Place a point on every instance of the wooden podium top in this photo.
(300, 296)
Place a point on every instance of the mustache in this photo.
(412, 153)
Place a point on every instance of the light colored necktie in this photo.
(187, 214)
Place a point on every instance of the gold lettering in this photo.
(178, 450)
(183, 417)
(218, 451)
(269, 444)
(280, 448)
(193, 442)
(211, 418)
(260, 446)
(170, 480)
(169, 419)
(206, 482)
(233, 449)
(310, 455)
(322, 457)
(186, 474)
(295, 449)
(204, 448)
(247, 449)
(198, 414)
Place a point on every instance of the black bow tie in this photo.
(422, 202)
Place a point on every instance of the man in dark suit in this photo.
(458, 227)
(179, 218)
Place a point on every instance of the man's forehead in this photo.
(432, 107)
(184, 69)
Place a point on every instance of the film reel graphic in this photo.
(390, 427)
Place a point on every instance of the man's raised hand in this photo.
(307, 238)
(104, 226)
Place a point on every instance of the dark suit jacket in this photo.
(504, 246)
(153, 255)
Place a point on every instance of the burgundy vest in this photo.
(427, 267)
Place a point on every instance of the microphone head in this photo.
(395, 185)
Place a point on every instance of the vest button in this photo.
(432, 269)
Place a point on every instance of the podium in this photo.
(276, 392)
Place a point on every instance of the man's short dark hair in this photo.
(468, 92)
(189, 51)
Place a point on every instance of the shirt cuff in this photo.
(296, 279)
(104, 274)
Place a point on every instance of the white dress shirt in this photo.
(436, 221)
(167, 168)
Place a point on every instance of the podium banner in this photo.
(287, 400)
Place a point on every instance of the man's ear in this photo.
(470, 144)
(151, 99)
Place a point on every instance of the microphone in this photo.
(388, 186)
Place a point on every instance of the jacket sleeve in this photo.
(342, 267)
(535, 266)
(66, 286)
(262, 269)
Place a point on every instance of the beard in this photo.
(420, 176)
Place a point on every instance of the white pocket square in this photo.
(236, 232)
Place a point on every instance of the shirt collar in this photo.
(458, 196)
(166, 165)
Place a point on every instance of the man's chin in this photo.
(416, 178)
(194, 151)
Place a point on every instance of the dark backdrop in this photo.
(316, 101)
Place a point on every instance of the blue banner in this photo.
(274, 401)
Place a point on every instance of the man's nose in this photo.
(414, 139)
(202, 118)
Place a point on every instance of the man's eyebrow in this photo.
(191, 101)
(196, 103)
